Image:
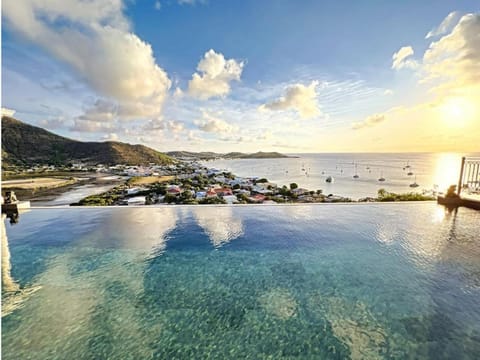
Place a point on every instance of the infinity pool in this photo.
(384, 281)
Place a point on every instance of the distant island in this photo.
(188, 155)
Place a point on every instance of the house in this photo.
(211, 193)
(136, 200)
(261, 190)
(258, 198)
(133, 191)
(231, 199)
(174, 190)
(223, 191)
(300, 191)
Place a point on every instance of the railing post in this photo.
(459, 188)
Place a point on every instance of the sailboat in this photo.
(414, 184)
(407, 166)
(356, 175)
(381, 177)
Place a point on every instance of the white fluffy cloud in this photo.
(369, 121)
(214, 76)
(94, 39)
(446, 25)
(454, 60)
(297, 97)
(211, 124)
(401, 58)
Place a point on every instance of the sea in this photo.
(431, 171)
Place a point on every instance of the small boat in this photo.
(410, 173)
(356, 175)
(414, 184)
(329, 179)
(381, 177)
(407, 166)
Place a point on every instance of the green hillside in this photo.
(24, 145)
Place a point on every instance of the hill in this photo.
(230, 155)
(24, 144)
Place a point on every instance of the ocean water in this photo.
(358, 281)
(430, 170)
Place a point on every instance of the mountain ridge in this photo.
(24, 144)
(208, 155)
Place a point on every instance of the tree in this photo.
(293, 186)
(451, 191)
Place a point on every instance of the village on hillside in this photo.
(193, 183)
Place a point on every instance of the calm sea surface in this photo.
(311, 170)
(365, 281)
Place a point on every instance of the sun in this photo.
(457, 111)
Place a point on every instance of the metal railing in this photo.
(469, 175)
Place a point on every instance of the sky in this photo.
(272, 75)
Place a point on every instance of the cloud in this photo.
(95, 40)
(175, 126)
(214, 76)
(91, 126)
(210, 124)
(297, 97)
(400, 59)
(157, 5)
(445, 26)
(110, 137)
(7, 112)
(371, 120)
(454, 60)
(193, 137)
(388, 92)
(154, 125)
(101, 111)
(54, 123)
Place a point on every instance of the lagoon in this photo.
(377, 281)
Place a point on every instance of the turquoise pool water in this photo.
(383, 281)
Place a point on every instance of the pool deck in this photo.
(470, 201)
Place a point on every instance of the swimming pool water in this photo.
(370, 281)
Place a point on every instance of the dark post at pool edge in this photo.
(459, 187)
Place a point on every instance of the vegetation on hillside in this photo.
(25, 145)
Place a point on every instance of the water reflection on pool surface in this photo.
(314, 281)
